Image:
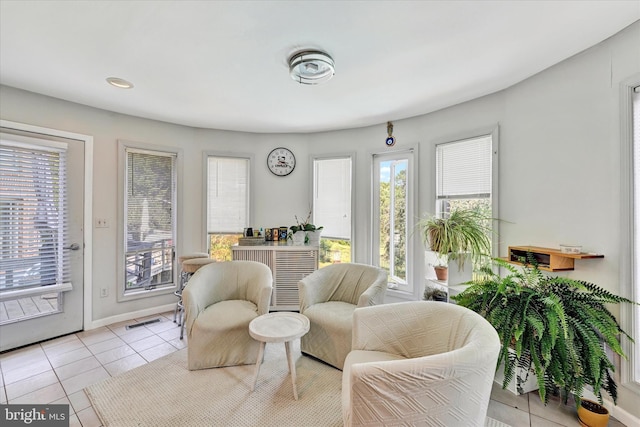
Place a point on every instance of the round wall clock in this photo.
(281, 161)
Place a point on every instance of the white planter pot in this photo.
(530, 384)
(298, 238)
(457, 275)
(314, 237)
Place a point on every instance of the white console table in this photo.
(288, 264)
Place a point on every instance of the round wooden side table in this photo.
(282, 326)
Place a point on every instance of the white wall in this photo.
(559, 164)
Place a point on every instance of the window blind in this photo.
(33, 213)
(463, 168)
(151, 182)
(150, 190)
(227, 194)
(332, 197)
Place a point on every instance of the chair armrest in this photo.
(264, 299)
(313, 290)
(374, 295)
(194, 302)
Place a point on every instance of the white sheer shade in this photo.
(464, 168)
(227, 194)
(332, 197)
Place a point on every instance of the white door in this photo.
(41, 237)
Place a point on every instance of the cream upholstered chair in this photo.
(220, 300)
(419, 363)
(328, 298)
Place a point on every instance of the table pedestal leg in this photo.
(292, 368)
(260, 353)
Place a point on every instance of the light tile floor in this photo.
(58, 370)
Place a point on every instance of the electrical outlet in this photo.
(101, 223)
(104, 292)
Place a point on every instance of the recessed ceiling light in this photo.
(311, 67)
(118, 82)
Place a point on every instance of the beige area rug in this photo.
(164, 393)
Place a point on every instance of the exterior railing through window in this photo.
(149, 264)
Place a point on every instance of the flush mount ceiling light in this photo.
(311, 67)
(120, 83)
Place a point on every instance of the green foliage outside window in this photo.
(333, 251)
(399, 232)
(220, 246)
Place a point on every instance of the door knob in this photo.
(73, 247)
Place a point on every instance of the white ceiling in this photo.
(223, 65)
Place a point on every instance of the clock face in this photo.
(281, 161)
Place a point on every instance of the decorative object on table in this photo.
(390, 141)
(313, 237)
(268, 235)
(297, 235)
(282, 234)
(556, 326)
(251, 241)
(311, 232)
(463, 233)
(570, 249)
(281, 161)
(592, 414)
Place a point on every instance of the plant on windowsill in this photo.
(553, 327)
(462, 233)
(433, 293)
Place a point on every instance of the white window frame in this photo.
(205, 189)
(351, 157)
(629, 252)
(409, 290)
(123, 146)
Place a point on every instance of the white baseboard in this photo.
(621, 415)
(129, 316)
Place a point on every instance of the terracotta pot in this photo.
(441, 273)
(592, 414)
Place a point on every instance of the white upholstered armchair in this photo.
(419, 363)
(220, 300)
(328, 298)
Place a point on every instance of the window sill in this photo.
(7, 295)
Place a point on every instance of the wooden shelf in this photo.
(549, 259)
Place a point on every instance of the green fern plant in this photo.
(556, 327)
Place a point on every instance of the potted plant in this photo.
(309, 230)
(554, 327)
(433, 293)
(297, 235)
(464, 232)
(592, 414)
